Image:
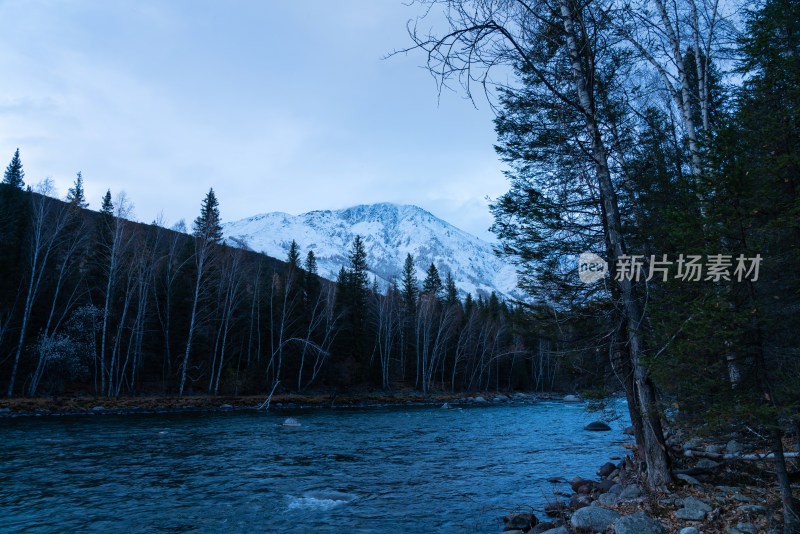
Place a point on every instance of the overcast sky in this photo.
(279, 106)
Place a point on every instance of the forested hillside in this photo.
(93, 303)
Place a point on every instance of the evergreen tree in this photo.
(358, 266)
(107, 206)
(410, 289)
(312, 283)
(14, 174)
(76, 196)
(450, 289)
(311, 263)
(207, 225)
(432, 285)
(293, 258)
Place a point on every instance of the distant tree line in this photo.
(94, 303)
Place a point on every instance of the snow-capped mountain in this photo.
(389, 232)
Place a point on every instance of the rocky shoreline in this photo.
(89, 405)
(719, 497)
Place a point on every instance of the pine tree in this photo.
(207, 225)
(312, 283)
(432, 285)
(107, 206)
(311, 263)
(410, 290)
(14, 174)
(358, 266)
(293, 258)
(450, 289)
(76, 196)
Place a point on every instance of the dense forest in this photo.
(94, 303)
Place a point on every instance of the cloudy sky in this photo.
(279, 106)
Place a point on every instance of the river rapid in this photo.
(411, 469)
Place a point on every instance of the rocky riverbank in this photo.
(89, 405)
(732, 496)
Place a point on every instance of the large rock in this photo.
(706, 463)
(638, 523)
(519, 521)
(605, 485)
(691, 502)
(500, 398)
(576, 482)
(690, 514)
(597, 426)
(689, 530)
(480, 400)
(734, 447)
(616, 489)
(631, 492)
(608, 499)
(693, 510)
(572, 398)
(606, 469)
(577, 501)
(593, 519)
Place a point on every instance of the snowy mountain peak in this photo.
(389, 232)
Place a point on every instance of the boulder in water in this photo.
(292, 422)
(597, 426)
(606, 469)
(522, 521)
(571, 398)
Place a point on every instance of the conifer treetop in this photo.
(207, 225)
(76, 196)
(14, 175)
(107, 207)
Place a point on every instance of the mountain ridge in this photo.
(389, 232)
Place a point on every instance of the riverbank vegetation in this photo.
(663, 137)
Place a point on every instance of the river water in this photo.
(415, 469)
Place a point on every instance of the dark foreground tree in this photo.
(563, 46)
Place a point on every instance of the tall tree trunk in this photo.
(653, 448)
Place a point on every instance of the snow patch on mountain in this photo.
(389, 232)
